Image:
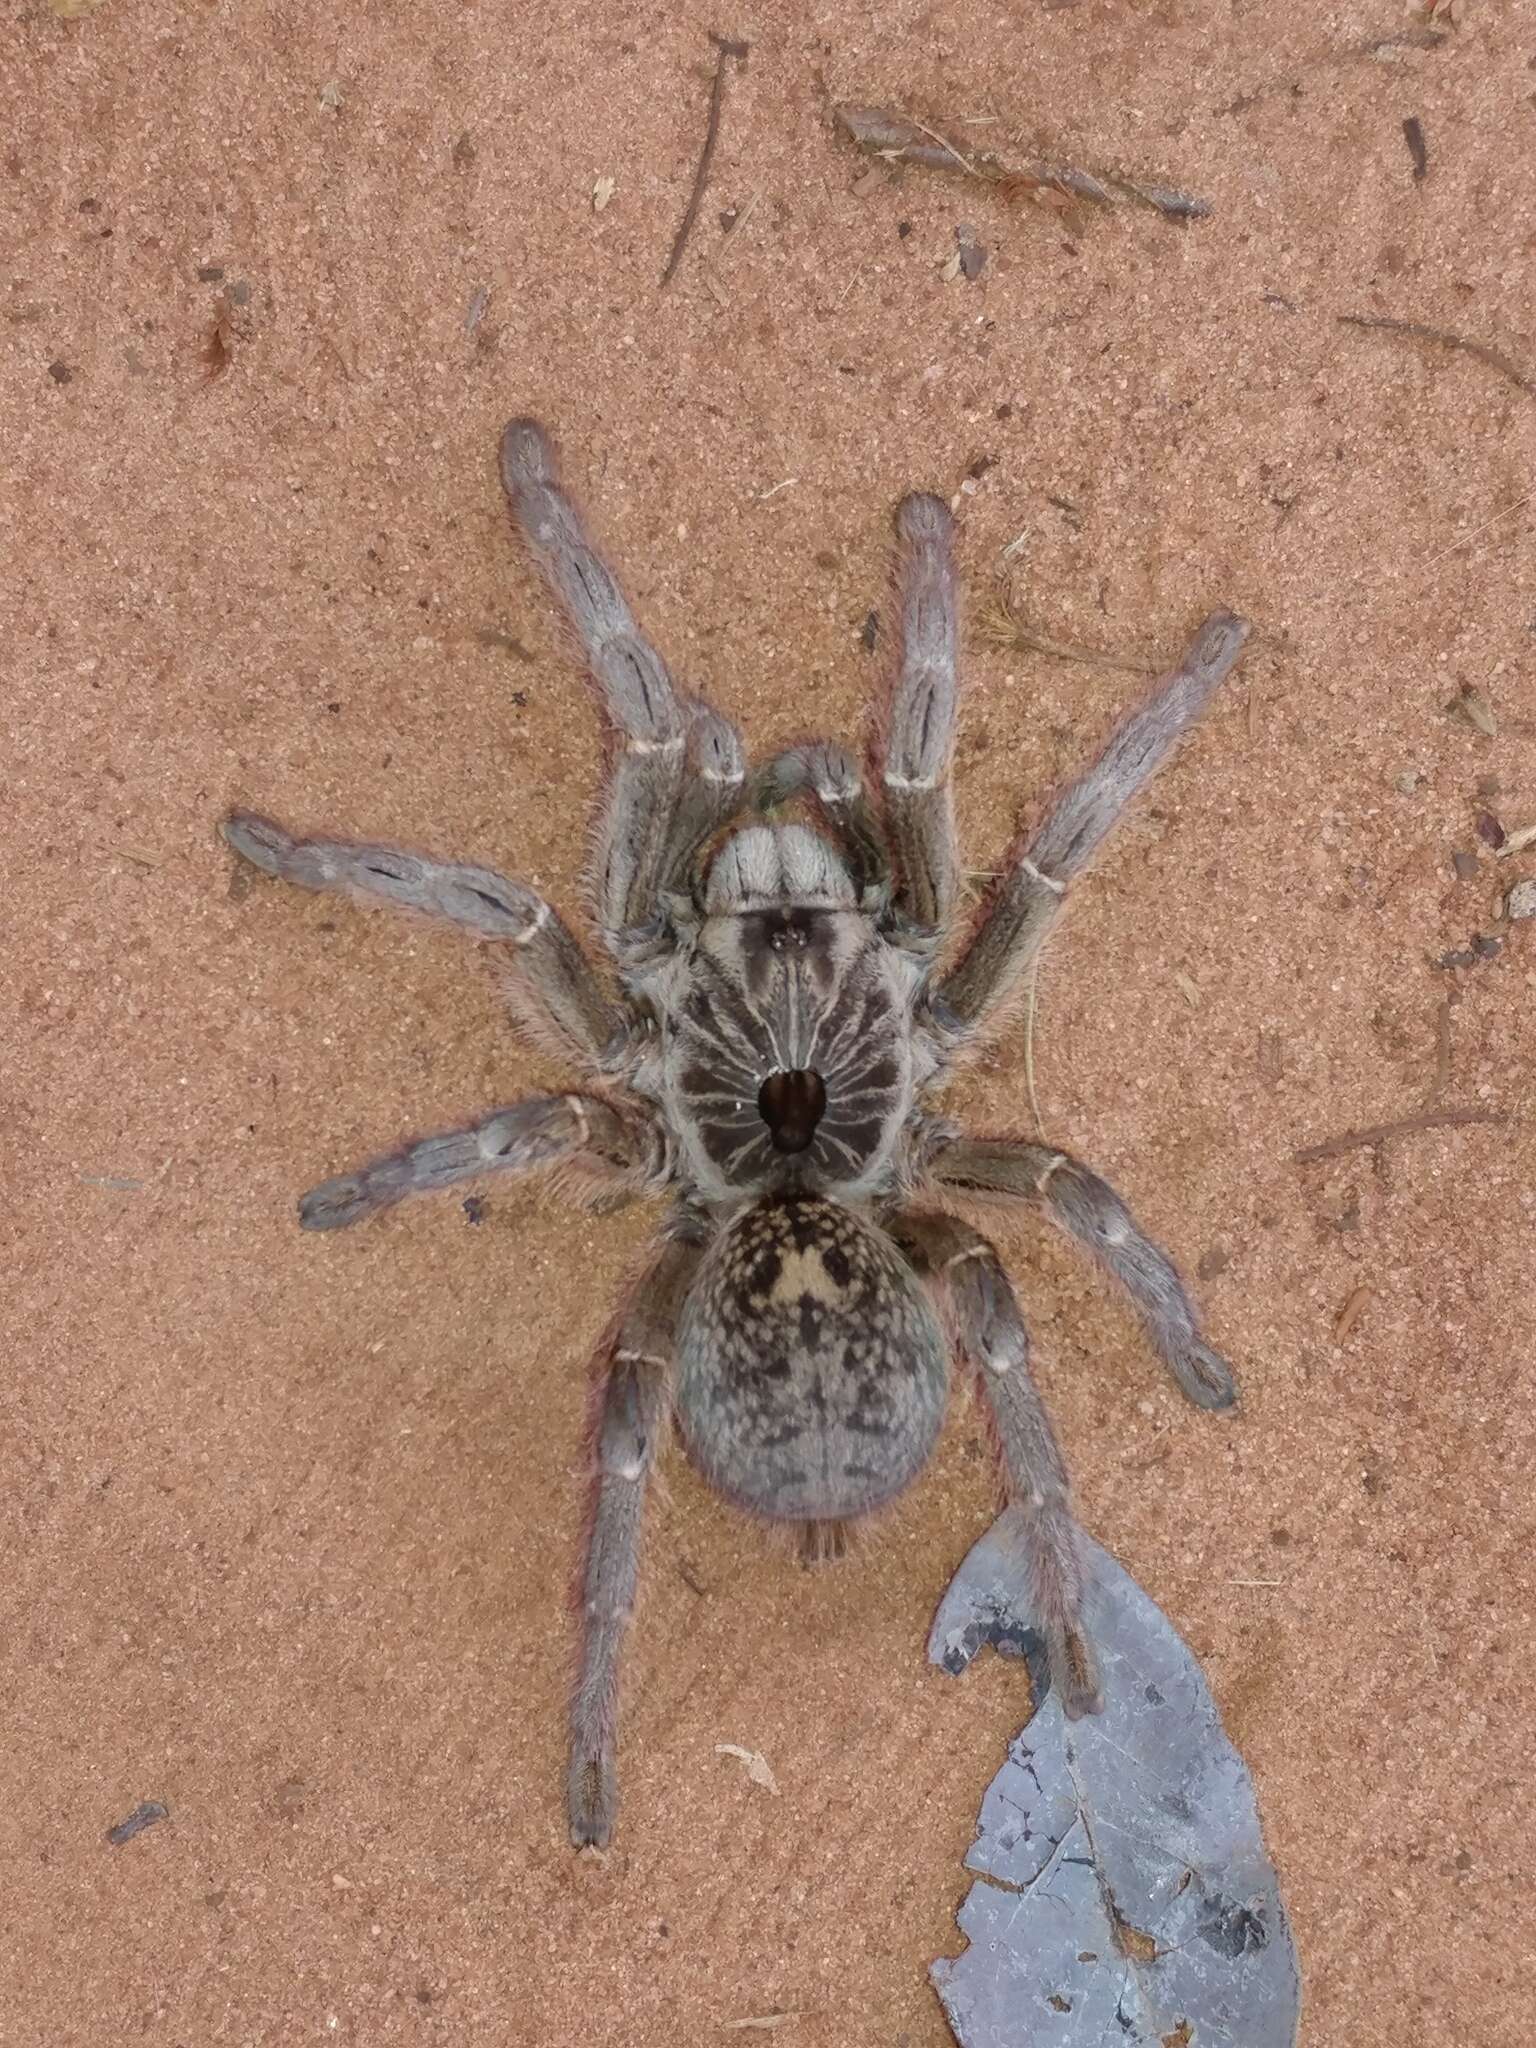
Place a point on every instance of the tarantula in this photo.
(781, 1016)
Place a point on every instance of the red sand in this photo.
(289, 1522)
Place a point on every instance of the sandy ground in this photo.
(288, 1522)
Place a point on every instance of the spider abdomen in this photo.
(812, 1375)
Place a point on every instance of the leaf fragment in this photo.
(758, 1767)
(1472, 708)
(1124, 1891)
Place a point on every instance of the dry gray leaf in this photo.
(1126, 1895)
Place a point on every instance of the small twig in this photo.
(1478, 531)
(727, 50)
(1442, 1073)
(1405, 1126)
(1163, 199)
(903, 139)
(947, 146)
(1416, 38)
(1255, 1582)
(1441, 337)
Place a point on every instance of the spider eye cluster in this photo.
(789, 931)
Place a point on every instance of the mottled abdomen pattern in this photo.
(811, 1372)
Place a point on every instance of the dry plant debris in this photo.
(1001, 626)
(759, 1769)
(1441, 337)
(901, 139)
(1402, 1127)
(726, 51)
(1473, 708)
(1442, 1073)
(218, 350)
(1418, 148)
(143, 1816)
(1350, 1313)
(1123, 1889)
(1375, 49)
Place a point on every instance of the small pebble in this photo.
(1521, 901)
(1465, 865)
(1406, 783)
